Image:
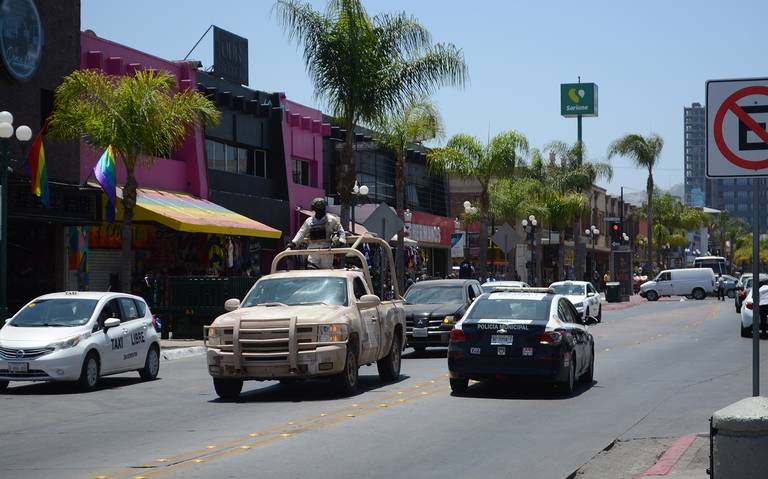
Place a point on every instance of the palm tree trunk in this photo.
(400, 206)
(649, 191)
(129, 202)
(345, 180)
(484, 203)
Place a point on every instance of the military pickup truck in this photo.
(300, 324)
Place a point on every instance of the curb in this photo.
(180, 353)
(671, 456)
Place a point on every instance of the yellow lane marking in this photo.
(278, 432)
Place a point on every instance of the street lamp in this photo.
(592, 232)
(469, 210)
(529, 225)
(357, 191)
(23, 134)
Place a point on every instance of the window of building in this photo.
(301, 172)
(234, 159)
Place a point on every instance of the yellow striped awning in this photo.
(184, 212)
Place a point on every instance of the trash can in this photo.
(612, 292)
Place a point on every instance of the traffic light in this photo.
(615, 228)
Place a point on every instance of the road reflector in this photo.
(285, 434)
(197, 461)
(350, 415)
(322, 414)
(162, 459)
(382, 405)
(245, 447)
(255, 434)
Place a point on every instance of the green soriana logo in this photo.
(578, 99)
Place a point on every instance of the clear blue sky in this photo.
(649, 59)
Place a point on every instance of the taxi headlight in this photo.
(215, 336)
(449, 319)
(332, 333)
(69, 343)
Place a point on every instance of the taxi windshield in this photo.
(525, 309)
(63, 312)
(298, 291)
(434, 295)
(569, 289)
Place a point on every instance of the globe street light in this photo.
(23, 134)
(357, 191)
(592, 232)
(529, 225)
(469, 210)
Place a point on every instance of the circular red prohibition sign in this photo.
(730, 105)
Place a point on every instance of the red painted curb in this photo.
(671, 456)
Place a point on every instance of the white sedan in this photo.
(747, 315)
(79, 336)
(583, 295)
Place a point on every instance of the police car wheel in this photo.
(600, 314)
(89, 376)
(567, 387)
(589, 376)
(228, 389)
(3, 385)
(151, 364)
(459, 385)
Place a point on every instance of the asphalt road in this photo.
(661, 370)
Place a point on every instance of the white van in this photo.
(696, 282)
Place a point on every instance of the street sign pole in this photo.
(756, 316)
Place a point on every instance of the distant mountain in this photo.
(636, 198)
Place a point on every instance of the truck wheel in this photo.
(699, 294)
(228, 389)
(459, 385)
(346, 382)
(389, 365)
(652, 295)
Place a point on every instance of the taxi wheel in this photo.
(228, 389)
(459, 385)
(151, 364)
(89, 376)
(389, 366)
(346, 382)
(3, 386)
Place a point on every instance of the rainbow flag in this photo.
(105, 175)
(38, 170)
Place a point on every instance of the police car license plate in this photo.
(419, 332)
(18, 367)
(501, 340)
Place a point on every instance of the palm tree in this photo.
(417, 122)
(464, 156)
(644, 153)
(140, 116)
(364, 67)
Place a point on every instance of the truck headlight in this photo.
(215, 336)
(332, 333)
(69, 342)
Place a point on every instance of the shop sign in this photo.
(110, 236)
(230, 56)
(424, 233)
(578, 99)
(21, 38)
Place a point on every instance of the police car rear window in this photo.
(523, 309)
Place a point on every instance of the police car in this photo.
(79, 336)
(583, 295)
(529, 333)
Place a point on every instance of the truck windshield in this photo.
(434, 295)
(298, 291)
(55, 312)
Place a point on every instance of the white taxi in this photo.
(79, 336)
(583, 295)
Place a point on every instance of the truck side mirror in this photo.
(368, 301)
(231, 304)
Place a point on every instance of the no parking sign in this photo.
(737, 139)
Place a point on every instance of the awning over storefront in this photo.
(184, 212)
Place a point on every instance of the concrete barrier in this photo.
(740, 440)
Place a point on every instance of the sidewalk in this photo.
(181, 348)
(685, 457)
(634, 300)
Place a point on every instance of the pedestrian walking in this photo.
(720, 287)
(606, 278)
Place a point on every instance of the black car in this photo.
(532, 334)
(433, 307)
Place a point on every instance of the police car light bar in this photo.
(519, 289)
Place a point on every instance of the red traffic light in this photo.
(615, 227)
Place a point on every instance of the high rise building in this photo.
(696, 183)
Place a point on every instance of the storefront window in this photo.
(233, 159)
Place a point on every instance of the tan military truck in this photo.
(300, 324)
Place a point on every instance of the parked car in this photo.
(489, 285)
(583, 295)
(79, 336)
(533, 333)
(696, 282)
(744, 284)
(433, 307)
(747, 315)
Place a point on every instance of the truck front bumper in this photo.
(322, 361)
